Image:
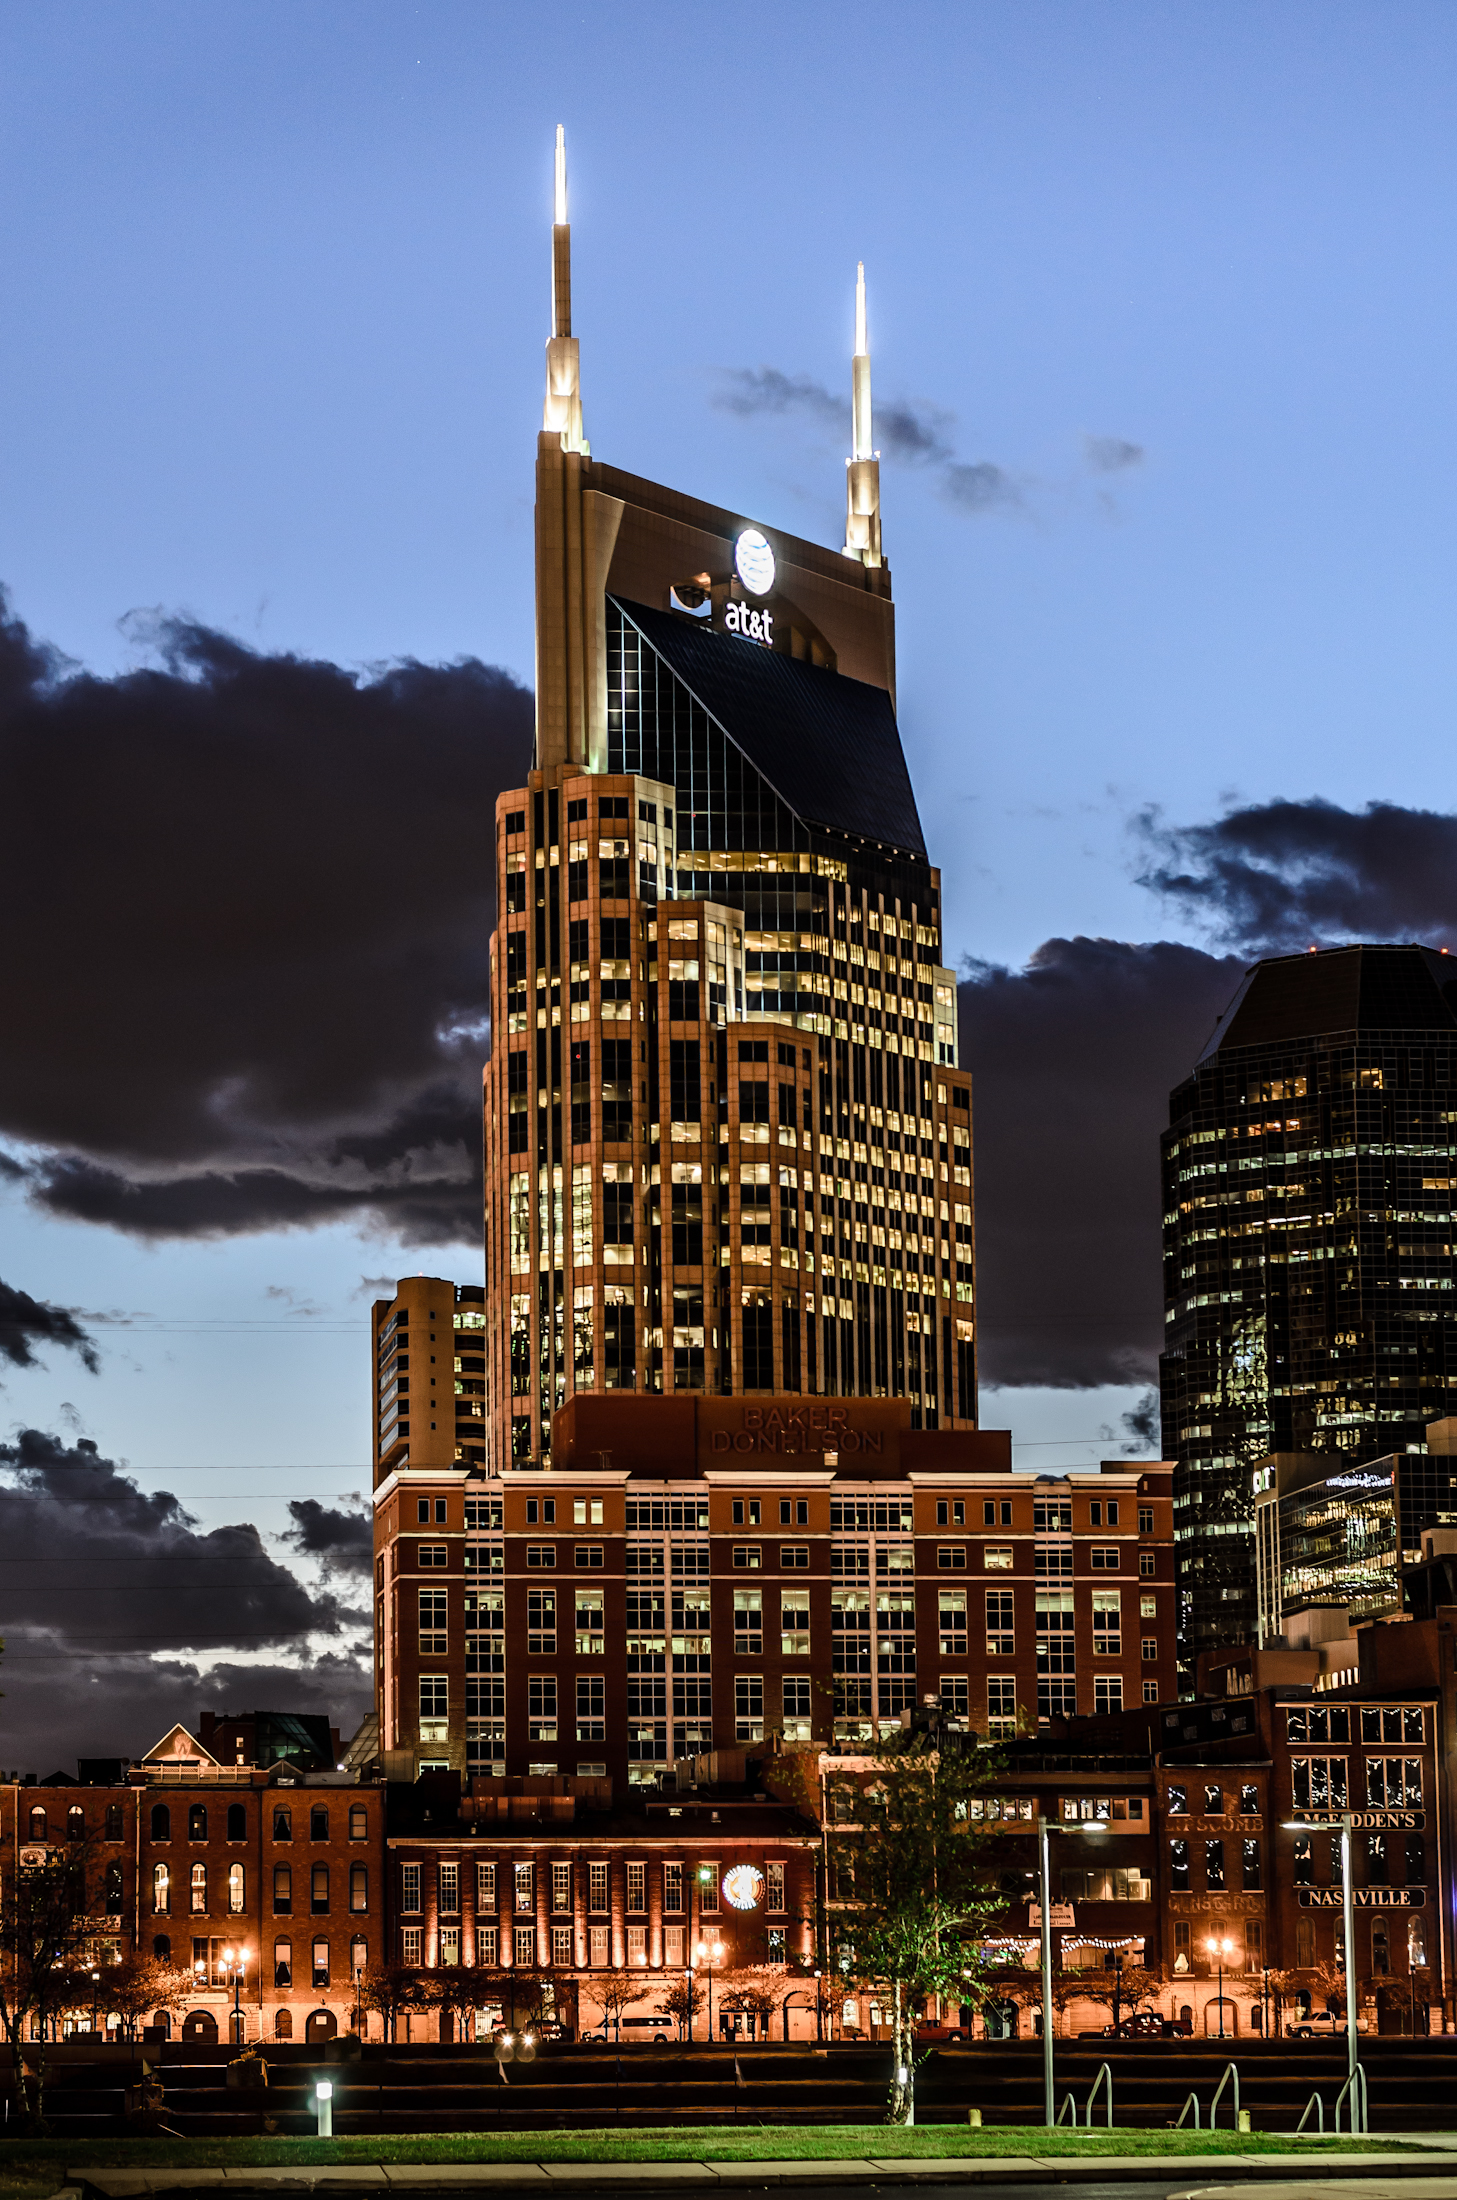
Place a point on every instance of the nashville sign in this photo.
(1362, 1898)
(1368, 1821)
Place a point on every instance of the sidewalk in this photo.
(1373, 2177)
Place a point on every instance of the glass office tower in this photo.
(1310, 1289)
(728, 1147)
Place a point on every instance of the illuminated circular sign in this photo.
(754, 562)
(742, 1887)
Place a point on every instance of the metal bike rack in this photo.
(1229, 2072)
(1103, 2072)
(1068, 2113)
(1192, 2102)
(1353, 2092)
(1315, 2102)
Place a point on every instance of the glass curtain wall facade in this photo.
(1309, 1278)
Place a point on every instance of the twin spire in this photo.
(562, 413)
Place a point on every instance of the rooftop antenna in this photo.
(562, 412)
(862, 468)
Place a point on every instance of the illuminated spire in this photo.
(862, 478)
(562, 414)
(861, 371)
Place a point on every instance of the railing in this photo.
(1315, 2102)
(1229, 2072)
(1103, 2072)
(1192, 2102)
(1358, 2111)
(1068, 2113)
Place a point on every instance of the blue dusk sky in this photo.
(1163, 332)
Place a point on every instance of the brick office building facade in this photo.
(272, 1873)
(698, 1573)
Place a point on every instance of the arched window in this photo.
(114, 1822)
(199, 1890)
(319, 1823)
(283, 2025)
(113, 1890)
(76, 1823)
(162, 1948)
(321, 1963)
(37, 1824)
(197, 1822)
(358, 1955)
(161, 1890)
(282, 1890)
(283, 1963)
(161, 1822)
(237, 1822)
(162, 2019)
(235, 1889)
(359, 1886)
(319, 1890)
(358, 1822)
(1416, 1944)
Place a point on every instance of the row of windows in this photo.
(496, 1950)
(520, 1881)
(197, 1887)
(237, 1822)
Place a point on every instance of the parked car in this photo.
(1145, 2024)
(660, 2027)
(1321, 2024)
(940, 2035)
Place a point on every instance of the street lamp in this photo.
(709, 1955)
(235, 1963)
(820, 2013)
(1344, 1820)
(1045, 1826)
(95, 1997)
(1219, 1949)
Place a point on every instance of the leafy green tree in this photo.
(46, 1929)
(392, 1989)
(909, 1921)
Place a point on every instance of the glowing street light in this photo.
(1221, 1950)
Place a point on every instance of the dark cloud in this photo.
(1073, 1059)
(344, 1541)
(1110, 454)
(1143, 1427)
(26, 1322)
(751, 390)
(908, 430)
(255, 993)
(981, 488)
(115, 1601)
(1276, 876)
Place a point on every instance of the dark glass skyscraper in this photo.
(1310, 1290)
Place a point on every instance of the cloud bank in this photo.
(121, 1614)
(26, 1322)
(255, 992)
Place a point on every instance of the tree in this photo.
(758, 1991)
(1120, 1990)
(45, 1926)
(139, 1985)
(923, 1894)
(459, 1990)
(616, 1991)
(392, 1988)
(683, 2002)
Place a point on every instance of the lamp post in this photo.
(1044, 1828)
(1348, 1924)
(1117, 1988)
(820, 2013)
(1219, 1949)
(709, 1955)
(95, 1997)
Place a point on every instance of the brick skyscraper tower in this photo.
(727, 1147)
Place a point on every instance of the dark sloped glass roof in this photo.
(1340, 989)
(829, 746)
